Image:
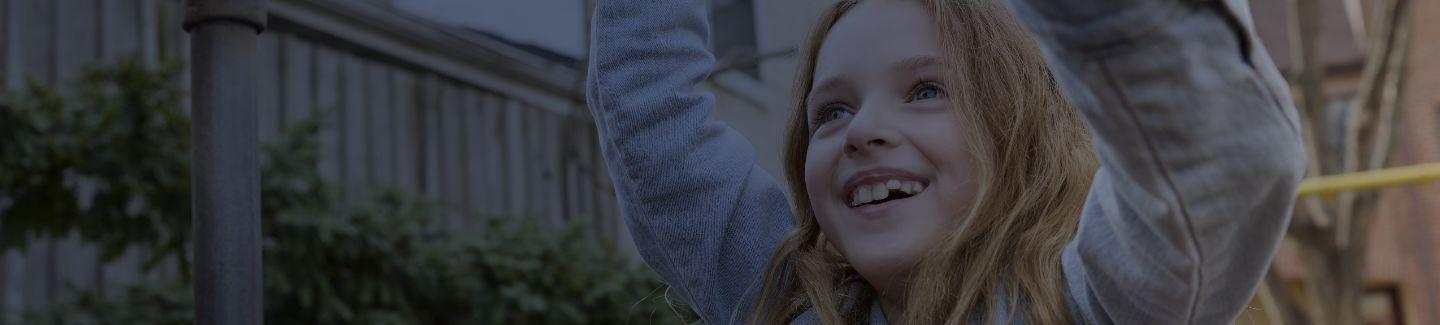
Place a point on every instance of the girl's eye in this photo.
(928, 90)
(829, 113)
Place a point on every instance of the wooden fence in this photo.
(466, 120)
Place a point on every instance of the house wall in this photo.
(1415, 209)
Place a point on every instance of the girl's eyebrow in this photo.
(832, 84)
(915, 63)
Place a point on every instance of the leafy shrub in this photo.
(382, 261)
(111, 163)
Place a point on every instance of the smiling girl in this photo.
(938, 174)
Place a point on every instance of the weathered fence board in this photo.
(38, 40)
(575, 170)
(76, 44)
(406, 133)
(327, 102)
(514, 151)
(39, 284)
(381, 129)
(9, 59)
(148, 11)
(492, 164)
(37, 35)
(267, 101)
(429, 93)
(549, 158)
(534, 141)
(352, 110)
(475, 184)
(452, 154)
(297, 93)
(119, 28)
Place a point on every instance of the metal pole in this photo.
(1370, 179)
(226, 170)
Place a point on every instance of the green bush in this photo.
(386, 260)
(120, 132)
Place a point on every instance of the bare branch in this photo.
(1306, 75)
(1381, 140)
(1319, 216)
(1380, 68)
(1274, 311)
(1390, 96)
(1356, 17)
(1281, 304)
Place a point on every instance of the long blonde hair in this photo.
(1034, 164)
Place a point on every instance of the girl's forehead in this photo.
(873, 37)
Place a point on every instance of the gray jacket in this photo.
(1199, 145)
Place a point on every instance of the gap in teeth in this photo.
(880, 191)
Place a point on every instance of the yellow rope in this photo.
(1369, 179)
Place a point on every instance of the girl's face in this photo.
(886, 170)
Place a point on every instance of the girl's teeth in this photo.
(876, 192)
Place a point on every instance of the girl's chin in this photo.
(883, 274)
(880, 254)
(883, 260)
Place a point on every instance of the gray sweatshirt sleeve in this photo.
(703, 215)
(1200, 156)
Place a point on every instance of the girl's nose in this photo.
(869, 131)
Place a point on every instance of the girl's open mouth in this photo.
(882, 191)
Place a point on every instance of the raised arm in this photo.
(702, 213)
(1200, 155)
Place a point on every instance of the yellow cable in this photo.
(1369, 179)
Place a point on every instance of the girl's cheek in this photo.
(935, 116)
(823, 150)
(820, 160)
